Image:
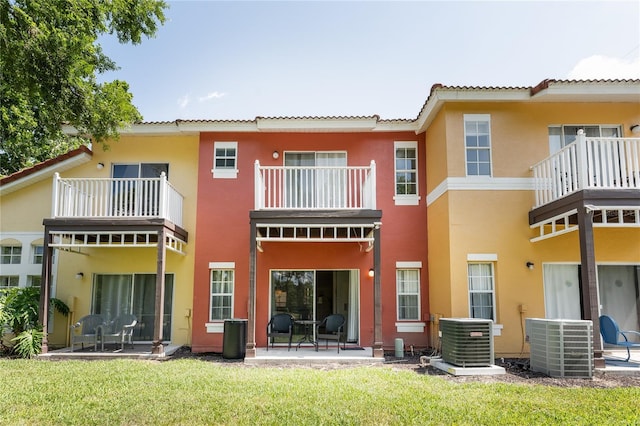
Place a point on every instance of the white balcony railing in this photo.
(602, 163)
(116, 198)
(315, 188)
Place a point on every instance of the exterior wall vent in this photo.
(467, 342)
(561, 348)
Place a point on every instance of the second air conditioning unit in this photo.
(561, 348)
(467, 342)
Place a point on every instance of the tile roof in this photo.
(45, 164)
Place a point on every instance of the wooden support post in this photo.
(378, 350)
(250, 351)
(156, 347)
(45, 289)
(589, 287)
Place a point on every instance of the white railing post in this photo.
(583, 165)
(257, 187)
(54, 195)
(372, 192)
(164, 192)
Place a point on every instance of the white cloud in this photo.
(212, 95)
(604, 67)
(183, 101)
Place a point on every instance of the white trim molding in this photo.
(222, 265)
(482, 257)
(408, 265)
(215, 327)
(410, 327)
(480, 183)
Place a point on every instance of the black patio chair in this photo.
(331, 328)
(280, 325)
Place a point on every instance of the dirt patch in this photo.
(517, 371)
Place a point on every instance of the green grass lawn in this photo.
(197, 392)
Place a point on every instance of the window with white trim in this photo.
(225, 160)
(477, 141)
(563, 135)
(408, 293)
(10, 255)
(7, 281)
(406, 172)
(481, 291)
(34, 280)
(37, 254)
(221, 302)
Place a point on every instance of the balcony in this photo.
(315, 188)
(126, 199)
(588, 163)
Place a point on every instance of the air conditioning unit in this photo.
(561, 348)
(467, 342)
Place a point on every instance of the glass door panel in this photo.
(115, 295)
(619, 293)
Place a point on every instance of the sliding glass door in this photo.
(120, 294)
(313, 295)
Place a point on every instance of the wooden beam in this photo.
(156, 347)
(589, 284)
(378, 350)
(45, 289)
(250, 350)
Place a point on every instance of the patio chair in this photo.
(611, 332)
(86, 331)
(280, 325)
(120, 330)
(331, 328)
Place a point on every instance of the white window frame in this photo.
(557, 145)
(12, 255)
(477, 118)
(399, 293)
(492, 291)
(225, 172)
(217, 325)
(37, 254)
(405, 199)
(5, 281)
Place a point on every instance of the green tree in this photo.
(49, 62)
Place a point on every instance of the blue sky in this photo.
(242, 59)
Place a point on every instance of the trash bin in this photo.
(234, 341)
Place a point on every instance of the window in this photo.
(9, 281)
(315, 179)
(133, 197)
(481, 291)
(225, 161)
(406, 172)
(221, 294)
(36, 254)
(34, 280)
(477, 139)
(561, 136)
(408, 289)
(10, 255)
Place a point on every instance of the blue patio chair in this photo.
(611, 332)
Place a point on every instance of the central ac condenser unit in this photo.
(561, 348)
(467, 342)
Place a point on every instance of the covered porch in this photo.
(590, 183)
(115, 213)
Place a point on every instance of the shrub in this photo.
(19, 315)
